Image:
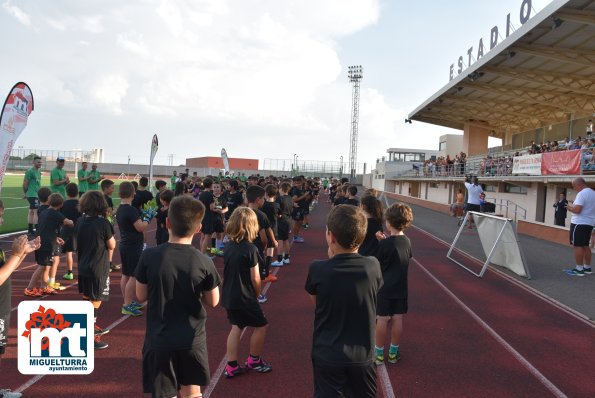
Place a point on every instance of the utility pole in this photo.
(355, 75)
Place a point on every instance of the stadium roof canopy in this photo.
(541, 74)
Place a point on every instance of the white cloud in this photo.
(16, 12)
(134, 43)
(109, 91)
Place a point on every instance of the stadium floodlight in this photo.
(355, 74)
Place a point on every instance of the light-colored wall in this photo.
(475, 139)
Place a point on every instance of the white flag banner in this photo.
(225, 160)
(527, 164)
(154, 147)
(13, 119)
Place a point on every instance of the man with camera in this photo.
(474, 191)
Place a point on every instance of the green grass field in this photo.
(16, 208)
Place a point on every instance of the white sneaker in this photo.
(277, 263)
(286, 260)
(10, 394)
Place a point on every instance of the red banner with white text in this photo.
(562, 162)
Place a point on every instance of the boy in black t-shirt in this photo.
(241, 291)
(71, 211)
(142, 196)
(207, 199)
(107, 187)
(284, 224)
(255, 197)
(49, 222)
(20, 248)
(344, 289)
(299, 195)
(272, 209)
(132, 226)
(162, 235)
(220, 202)
(351, 196)
(176, 279)
(95, 238)
(234, 198)
(393, 253)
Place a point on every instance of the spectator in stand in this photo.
(589, 128)
(560, 211)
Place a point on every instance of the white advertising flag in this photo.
(225, 160)
(13, 119)
(154, 147)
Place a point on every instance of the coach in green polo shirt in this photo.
(58, 178)
(94, 178)
(31, 184)
(83, 177)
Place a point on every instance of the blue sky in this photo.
(264, 79)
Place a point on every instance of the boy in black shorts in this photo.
(207, 199)
(284, 225)
(162, 235)
(344, 289)
(95, 239)
(272, 209)
(107, 187)
(234, 198)
(20, 248)
(132, 226)
(49, 222)
(219, 211)
(176, 279)
(299, 195)
(393, 253)
(71, 211)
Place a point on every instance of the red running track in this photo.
(464, 337)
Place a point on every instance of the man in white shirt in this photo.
(581, 226)
(474, 191)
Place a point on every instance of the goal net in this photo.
(499, 242)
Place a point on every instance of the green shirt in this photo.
(94, 175)
(83, 184)
(58, 175)
(174, 179)
(33, 175)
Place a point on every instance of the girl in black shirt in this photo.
(372, 207)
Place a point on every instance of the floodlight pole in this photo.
(355, 75)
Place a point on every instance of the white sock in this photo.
(587, 266)
(579, 267)
(51, 280)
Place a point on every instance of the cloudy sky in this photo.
(262, 78)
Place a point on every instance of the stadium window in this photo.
(442, 146)
(509, 188)
(433, 185)
(490, 188)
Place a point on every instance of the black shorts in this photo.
(44, 258)
(4, 325)
(68, 245)
(390, 307)
(130, 256)
(95, 288)
(161, 235)
(33, 203)
(253, 317)
(207, 226)
(306, 210)
(344, 381)
(580, 234)
(218, 226)
(164, 371)
(470, 207)
(283, 228)
(297, 214)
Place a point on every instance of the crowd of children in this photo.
(253, 226)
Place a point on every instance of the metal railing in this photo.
(507, 207)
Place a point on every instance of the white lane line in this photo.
(219, 372)
(551, 301)
(517, 355)
(385, 384)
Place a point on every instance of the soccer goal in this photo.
(122, 177)
(499, 241)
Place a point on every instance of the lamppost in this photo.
(297, 168)
(341, 168)
(355, 74)
(128, 176)
(293, 165)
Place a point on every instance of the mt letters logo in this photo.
(55, 337)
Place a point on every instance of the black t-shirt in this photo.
(286, 204)
(110, 202)
(237, 291)
(272, 211)
(206, 197)
(298, 192)
(161, 217)
(220, 203)
(41, 209)
(5, 290)
(346, 288)
(353, 202)
(71, 211)
(370, 243)
(176, 276)
(340, 201)
(234, 200)
(126, 216)
(263, 223)
(140, 198)
(92, 234)
(48, 228)
(394, 253)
